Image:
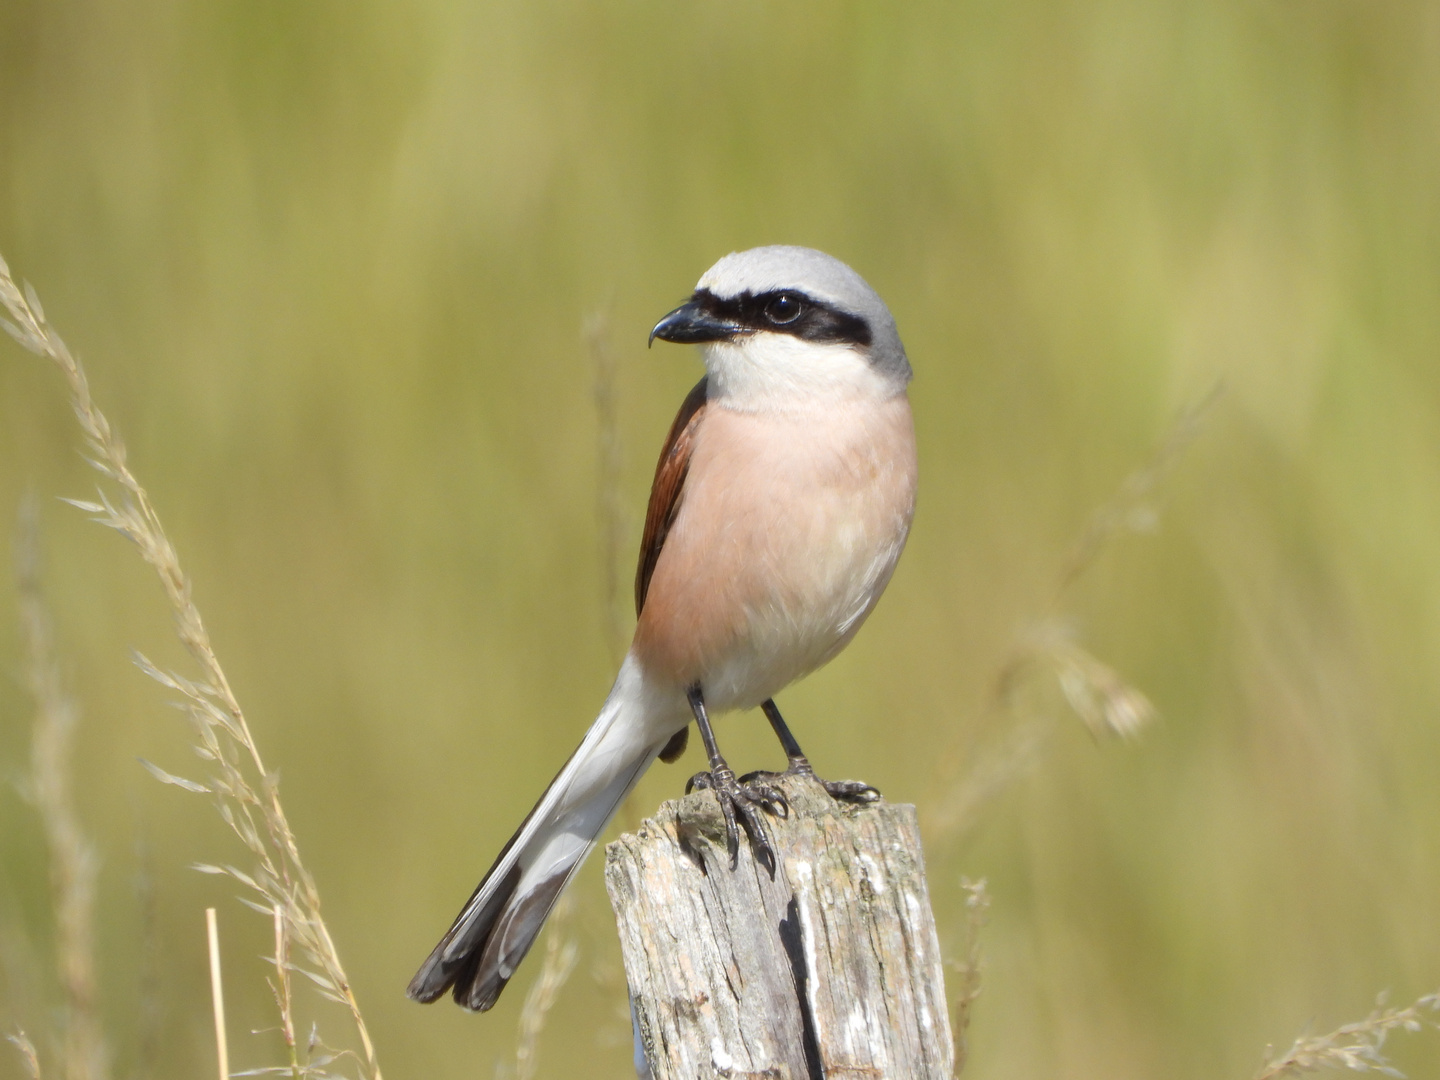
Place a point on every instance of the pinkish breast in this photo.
(788, 529)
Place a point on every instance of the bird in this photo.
(782, 500)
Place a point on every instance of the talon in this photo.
(740, 804)
(732, 834)
(701, 781)
(842, 790)
(853, 791)
(771, 797)
(735, 797)
(759, 842)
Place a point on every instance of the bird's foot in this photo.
(851, 791)
(743, 799)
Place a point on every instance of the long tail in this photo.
(501, 920)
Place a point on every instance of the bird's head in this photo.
(786, 326)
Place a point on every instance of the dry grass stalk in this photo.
(244, 791)
(1358, 1047)
(1095, 692)
(1105, 702)
(73, 864)
(281, 989)
(1130, 510)
(1013, 755)
(23, 1044)
(217, 995)
(561, 952)
(977, 914)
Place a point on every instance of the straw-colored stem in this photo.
(561, 952)
(282, 991)
(250, 805)
(217, 995)
(977, 909)
(73, 864)
(22, 1043)
(1096, 693)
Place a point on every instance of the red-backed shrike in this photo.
(780, 504)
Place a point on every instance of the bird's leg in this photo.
(735, 796)
(846, 790)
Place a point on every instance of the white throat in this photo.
(765, 372)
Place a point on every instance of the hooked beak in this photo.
(691, 324)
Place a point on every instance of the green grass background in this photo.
(329, 263)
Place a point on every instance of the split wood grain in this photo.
(830, 969)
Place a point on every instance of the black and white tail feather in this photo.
(501, 920)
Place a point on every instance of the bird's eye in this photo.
(783, 309)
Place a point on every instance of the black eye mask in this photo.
(785, 311)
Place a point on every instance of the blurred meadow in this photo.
(346, 276)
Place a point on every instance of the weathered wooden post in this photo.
(831, 969)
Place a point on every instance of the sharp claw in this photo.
(700, 780)
(851, 791)
(748, 796)
(759, 842)
(744, 798)
(732, 831)
(764, 854)
(773, 800)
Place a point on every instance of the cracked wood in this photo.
(831, 969)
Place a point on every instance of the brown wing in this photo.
(670, 473)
